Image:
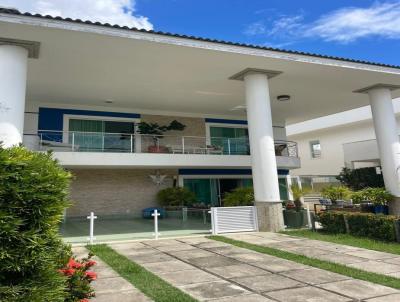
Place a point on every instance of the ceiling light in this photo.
(283, 97)
(108, 101)
(240, 107)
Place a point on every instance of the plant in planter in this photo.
(294, 215)
(157, 132)
(176, 197)
(379, 197)
(337, 194)
(239, 197)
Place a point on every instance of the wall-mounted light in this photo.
(283, 98)
(108, 101)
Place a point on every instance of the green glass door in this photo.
(233, 141)
(86, 135)
(204, 189)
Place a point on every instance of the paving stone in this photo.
(149, 258)
(188, 277)
(240, 270)
(126, 296)
(109, 285)
(371, 255)
(194, 240)
(195, 253)
(340, 258)
(228, 250)
(245, 298)
(211, 244)
(389, 298)
(395, 275)
(128, 245)
(276, 265)
(138, 251)
(213, 261)
(213, 290)
(378, 267)
(167, 266)
(358, 289)
(395, 260)
(314, 276)
(306, 294)
(104, 271)
(176, 247)
(162, 242)
(307, 251)
(250, 257)
(267, 282)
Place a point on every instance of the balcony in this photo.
(123, 149)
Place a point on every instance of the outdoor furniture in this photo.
(147, 212)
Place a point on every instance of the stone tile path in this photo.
(109, 286)
(368, 260)
(214, 271)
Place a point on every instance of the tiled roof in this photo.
(16, 12)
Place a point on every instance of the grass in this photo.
(376, 245)
(322, 264)
(148, 283)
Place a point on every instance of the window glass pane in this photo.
(315, 149)
(233, 140)
(86, 134)
(204, 189)
(116, 140)
(283, 189)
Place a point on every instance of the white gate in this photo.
(233, 219)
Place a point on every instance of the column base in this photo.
(394, 206)
(270, 216)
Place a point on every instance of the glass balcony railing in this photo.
(76, 141)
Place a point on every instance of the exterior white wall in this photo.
(331, 139)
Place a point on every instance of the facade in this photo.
(345, 139)
(81, 89)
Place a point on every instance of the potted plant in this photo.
(379, 197)
(337, 194)
(294, 214)
(157, 131)
(176, 198)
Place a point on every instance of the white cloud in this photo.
(121, 12)
(349, 24)
(256, 28)
(286, 25)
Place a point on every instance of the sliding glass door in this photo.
(232, 140)
(98, 136)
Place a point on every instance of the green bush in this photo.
(239, 197)
(380, 227)
(33, 196)
(176, 196)
(332, 222)
(336, 193)
(358, 179)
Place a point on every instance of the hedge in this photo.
(381, 227)
(33, 196)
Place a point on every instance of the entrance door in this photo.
(226, 186)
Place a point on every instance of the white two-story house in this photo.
(82, 89)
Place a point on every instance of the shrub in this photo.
(373, 226)
(33, 196)
(176, 196)
(378, 196)
(358, 179)
(239, 197)
(335, 193)
(79, 278)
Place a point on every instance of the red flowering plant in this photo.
(79, 276)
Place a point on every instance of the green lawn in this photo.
(326, 265)
(388, 247)
(151, 285)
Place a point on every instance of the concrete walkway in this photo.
(367, 260)
(109, 286)
(214, 271)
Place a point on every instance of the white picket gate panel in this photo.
(233, 219)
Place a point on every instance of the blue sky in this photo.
(359, 29)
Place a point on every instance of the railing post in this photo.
(131, 143)
(184, 213)
(91, 228)
(155, 215)
(73, 141)
(229, 146)
(183, 145)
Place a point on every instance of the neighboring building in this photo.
(88, 85)
(329, 143)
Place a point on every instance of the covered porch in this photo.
(75, 65)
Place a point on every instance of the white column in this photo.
(259, 117)
(386, 136)
(13, 72)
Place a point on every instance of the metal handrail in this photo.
(187, 143)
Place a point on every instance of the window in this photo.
(315, 147)
(232, 140)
